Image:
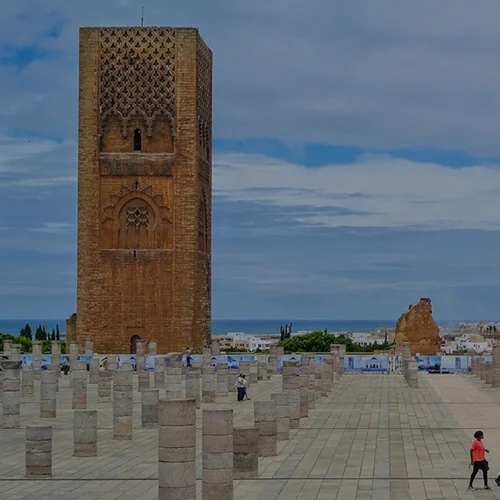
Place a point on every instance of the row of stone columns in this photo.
(488, 371)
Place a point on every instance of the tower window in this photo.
(137, 140)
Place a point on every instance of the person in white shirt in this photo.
(241, 385)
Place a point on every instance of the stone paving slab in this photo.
(372, 438)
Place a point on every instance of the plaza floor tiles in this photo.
(372, 438)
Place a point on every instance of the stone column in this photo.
(217, 464)
(48, 394)
(112, 362)
(222, 376)
(232, 379)
(159, 376)
(11, 394)
(140, 355)
(38, 451)
(85, 433)
(207, 384)
(495, 373)
(262, 370)
(173, 384)
(318, 383)
(412, 371)
(94, 371)
(406, 357)
(336, 362)
(273, 358)
(177, 449)
(149, 407)
(342, 355)
(304, 396)
(215, 348)
(73, 356)
(282, 416)
(1, 386)
(122, 403)
(245, 369)
(253, 374)
(152, 348)
(291, 386)
(193, 387)
(104, 379)
(207, 356)
(79, 385)
(55, 349)
(326, 375)
(482, 368)
(57, 371)
(488, 372)
(28, 388)
(15, 353)
(143, 380)
(37, 359)
(89, 347)
(265, 421)
(7, 347)
(309, 373)
(246, 453)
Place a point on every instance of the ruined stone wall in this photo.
(418, 327)
(144, 216)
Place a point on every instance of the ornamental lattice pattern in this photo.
(204, 96)
(137, 217)
(137, 76)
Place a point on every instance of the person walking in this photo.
(478, 460)
(188, 357)
(241, 386)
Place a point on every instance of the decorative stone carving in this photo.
(137, 76)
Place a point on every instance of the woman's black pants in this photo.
(241, 393)
(477, 466)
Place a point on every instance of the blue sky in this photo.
(356, 154)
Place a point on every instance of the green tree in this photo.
(53, 335)
(39, 333)
(58, 335)
(44, 333)
(320, 342)
(26, 332)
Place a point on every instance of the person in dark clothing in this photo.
(478, 460)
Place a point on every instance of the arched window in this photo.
(137, 140)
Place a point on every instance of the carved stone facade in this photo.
(144, 188)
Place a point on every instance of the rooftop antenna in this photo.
(142, 17)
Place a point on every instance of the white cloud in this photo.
(373, 192)
(55, 227)
(375, 74)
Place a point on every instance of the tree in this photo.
(53, 335)
(39, 333)
(25, 332)
(58, 335)
(44, 333)
(320, 342)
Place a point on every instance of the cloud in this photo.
(55, 228)
(384, 74)
(372, 192)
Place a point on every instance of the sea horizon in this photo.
(249, 326)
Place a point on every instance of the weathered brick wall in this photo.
(141, 267)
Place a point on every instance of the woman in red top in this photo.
(478, 460)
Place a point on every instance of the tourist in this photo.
(188, 356)
(65, 366)
(241, 385)
(478, 460)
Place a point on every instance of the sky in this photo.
(356, 154)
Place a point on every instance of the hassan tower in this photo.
(144, 189)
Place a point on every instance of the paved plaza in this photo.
(371, 438)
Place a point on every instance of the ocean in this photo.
(252, 326)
